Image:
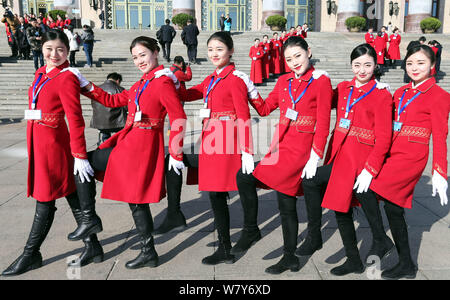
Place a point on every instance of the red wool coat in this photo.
(51, 147)
(282, 167)
(277, 46)
(363, 146)
(135, 171)
(267, 47)
(256, 70)
(370, 39)
(182, 77)
(225, 134)
(380, 48)
(407, 158)
(394, 47)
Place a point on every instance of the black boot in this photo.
(353, 263)
(405, 268)
(289, 224)
(174, 219)
(382, 245)
(31, 258)
(90, 222)
(93, 251)
(144, 225)
(287, 262)
(313, 201)
(222, 221)
(249, 200)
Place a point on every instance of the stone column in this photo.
(270, 8)
(183, 6)
(417, 11)
(346, 9)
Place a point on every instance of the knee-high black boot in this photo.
(144, 225)
(90, 222)
(353, 262)
(382, 245)
(246, 184)
(405, 267)
(313, 200)
(289, 225)
(175, 219)
(31, 258)
(93, 251)
(222, 220)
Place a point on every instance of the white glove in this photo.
(84, 168)
(251, 89)
(83, 81)
(363, 182)
(311, 166)
(168, 73)
(176, 165)
(248, 164)
(254, 58)
(440, 185)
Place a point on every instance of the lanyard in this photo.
(294, 102)
(349, 106)
(139, 93)
(402, 108)
(36, 93)
(210, 87)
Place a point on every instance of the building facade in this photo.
(247, 15)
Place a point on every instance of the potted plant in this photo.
(430, 25)
(181, 20)
(276, 22)
(355, 24)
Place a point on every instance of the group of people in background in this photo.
(24, 34)
(267, 55)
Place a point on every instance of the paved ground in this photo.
(181, 254)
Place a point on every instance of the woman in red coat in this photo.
(267, 48)
(226, 141)
(133, 159)
(277, 45)
(285, 67)
(54, 152)
(394, 47)
(304, 99)
(380, 47)
(256, 70)
(356, 154)
(421, 110)
(370, 38)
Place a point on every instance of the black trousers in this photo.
(192, 52)
(166, 49)
(72, 58)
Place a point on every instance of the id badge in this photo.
(205, 113)
(344, 123)
(397, 126)
(33, 114)
(291, 114)
(138, 116)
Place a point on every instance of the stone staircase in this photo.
(331, 52)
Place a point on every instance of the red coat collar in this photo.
(53, 72)
(305, 77)
(365, 88)
(423, 88)
(150, 75)
(228, 69)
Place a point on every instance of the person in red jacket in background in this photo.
(67, 21)
(59, 22)
(380, 48)
(435, 51)
(267, 48)
(421, 111)
(277, 45)
(256, 70)
(299, 31)
(370, 38)
(305, 30)
(394, 47)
